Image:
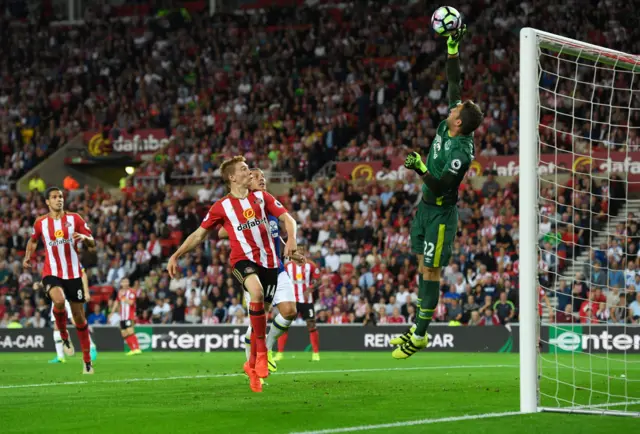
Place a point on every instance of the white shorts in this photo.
(67, 306)
(284, 290)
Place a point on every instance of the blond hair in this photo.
(228, 167)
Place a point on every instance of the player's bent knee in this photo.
(253, 285)
(56, 294)
(431, 273)
(288, 310)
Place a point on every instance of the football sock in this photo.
(135, 341)
(130, 341)
(315, 340)
(92, 344)
(279, 326)
(60, 316)
(58, 341)
(282, 342)
(83, 336)
(427, 306)
(259, 326)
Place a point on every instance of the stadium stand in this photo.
(294, 91)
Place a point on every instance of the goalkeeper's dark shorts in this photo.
(433, 231)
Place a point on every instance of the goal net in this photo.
(580, 220)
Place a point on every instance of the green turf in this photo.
(342, 390)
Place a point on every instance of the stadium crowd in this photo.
(291, 98)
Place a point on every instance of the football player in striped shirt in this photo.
(61, 233)
(244, 215)
(283, 298)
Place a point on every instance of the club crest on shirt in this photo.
(249, 270)
(67, 224)
(258, 201)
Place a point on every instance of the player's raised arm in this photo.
(453, 67)
(212, 218)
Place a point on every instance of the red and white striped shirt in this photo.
(127, 311)
(57, 235)
(302, 277)
(247, 224)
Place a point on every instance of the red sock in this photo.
(254, 351)
(282, 341)
(129, 340)
(258, 326)
(85, 343)
(135, 341)
(315, 340)
(60, 316)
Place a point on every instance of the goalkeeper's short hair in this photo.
(471, 117)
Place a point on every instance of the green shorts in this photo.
(433, 230)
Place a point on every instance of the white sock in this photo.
(247, 343)
(279, 326)
(91, 344)
(58, 341)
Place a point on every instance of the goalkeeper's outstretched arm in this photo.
(453, 66)
(453, 78)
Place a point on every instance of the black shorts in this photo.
(306, 309)
(268, 277)
(72, 288)
(126, 324)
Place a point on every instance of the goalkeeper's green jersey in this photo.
(453, 154)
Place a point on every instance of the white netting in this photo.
(589, 153)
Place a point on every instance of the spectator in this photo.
(179, 311)
(36, 183)
(454, 311)
(489, 319)
(475, 319)
(565, 316)
(239, 318)
(469, 307)
(97, 317)
(634, 310)
(504, 309)
(209, 318)
(36, 321)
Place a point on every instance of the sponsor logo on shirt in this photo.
(251, 224)
(249, 214)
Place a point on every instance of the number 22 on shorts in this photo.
(428, 249)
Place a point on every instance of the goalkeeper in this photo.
(435, 224)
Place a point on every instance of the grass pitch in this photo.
(367, 392)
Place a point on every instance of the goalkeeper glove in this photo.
(414, 162)
(454, 40)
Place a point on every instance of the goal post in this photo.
(528, 187)
(579, 138)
